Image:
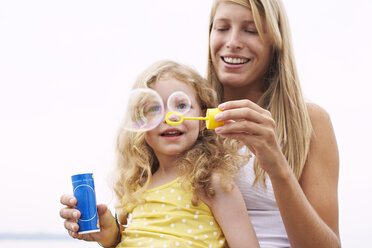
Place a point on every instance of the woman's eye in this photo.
(251, 31)
(221, 28)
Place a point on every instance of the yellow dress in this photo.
(167, 218)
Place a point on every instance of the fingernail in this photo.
(75, 215)
(218, 117)
(71, 201)
(221, 106)
(217, 129)
(72, 227)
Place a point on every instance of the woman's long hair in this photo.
(136, 161)
(282, 95)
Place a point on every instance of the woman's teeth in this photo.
(235, 60)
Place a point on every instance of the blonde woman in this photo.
(174, 181)
(290, 188)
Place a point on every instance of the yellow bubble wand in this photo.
(211, 122)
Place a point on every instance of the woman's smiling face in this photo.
(239, 55)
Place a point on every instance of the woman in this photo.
(291, 187)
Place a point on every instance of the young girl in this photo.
(176, 181)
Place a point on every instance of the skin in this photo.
(235, 225)
(107, 235)
(236, 36)
(167, 149)
(309, 207)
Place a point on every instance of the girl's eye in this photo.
(155, 108)
(181, 106)
(152, 109)
(178, 101)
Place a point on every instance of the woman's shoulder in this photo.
(323, 146)
(318, 115)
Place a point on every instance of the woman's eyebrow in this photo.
(245, 22)
(221, 20)
(248, 22)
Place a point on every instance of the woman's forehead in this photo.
(228, 10)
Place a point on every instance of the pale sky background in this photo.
(66, 68)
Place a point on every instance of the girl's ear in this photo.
(202, 124)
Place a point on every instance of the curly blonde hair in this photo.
(136, 161)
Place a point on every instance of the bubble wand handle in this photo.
(211, 123)
(196, 118)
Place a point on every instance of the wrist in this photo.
(281, 174)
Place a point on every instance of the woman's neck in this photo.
(251, 93)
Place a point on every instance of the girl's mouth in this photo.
(171, 133)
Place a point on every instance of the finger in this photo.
(241, 104)
(250, 141)
(68, 213)
(101, 209)
(71, 225)
(241, 114)
(75, 235)
(70, 233)
(106, 218)
(241, 128)
(68, 200)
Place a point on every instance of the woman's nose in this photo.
(234, 40)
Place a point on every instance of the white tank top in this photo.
(262, 209)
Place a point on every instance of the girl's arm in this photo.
(230, 212)
(309, 207)
(107, 236)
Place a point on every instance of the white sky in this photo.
(66, 68)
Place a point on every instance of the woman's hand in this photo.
(249, 123)
(108, 233)
(308, 204)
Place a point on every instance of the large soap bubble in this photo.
(178, 101)
(145, 110)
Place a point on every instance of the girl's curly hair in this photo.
(136, 161)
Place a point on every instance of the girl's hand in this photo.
(249, 123)
(107, 235)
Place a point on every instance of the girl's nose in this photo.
(175, 118)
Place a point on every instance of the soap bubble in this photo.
(178, 101)
(145, 110)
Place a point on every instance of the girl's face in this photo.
(166, 140)
(239, 55)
